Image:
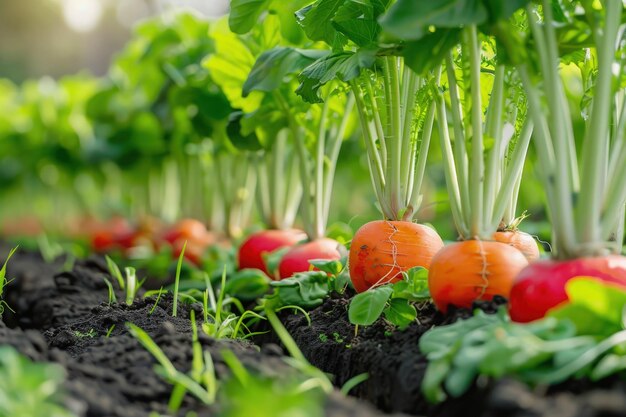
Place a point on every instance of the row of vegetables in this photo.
(211, 120)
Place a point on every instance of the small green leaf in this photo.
(247, 284)
(410, 19)
(608, 366)
(272, 260)
(249, 142)
(306, 290)
(316, 20)
(358, 20)
(433, 379)
(366, 307)
(438, 44)
(333, 267)
(414, 285)
(594, 306)
(344, 66)
(270, 69)
(244, 14)
(400, 313)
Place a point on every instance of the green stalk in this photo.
(294, 194)
(553, 148)
(335, 147)
(172, 191)
(307, 204)
(476, 163)
(615, 198)
(494, 130)
(619, 232)
(378, 124)
(410, 81)
(596, 141)
(512, 175)
(376, 171)
(320, 154)
(262, 163)
(460, 152)
(415, 198)
(452, 183)
(618, 142)
(278, 180)
(395, 183)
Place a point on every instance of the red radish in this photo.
(297, 259)
(382, 249)
(521, 241)
(471, 270)
(541, 286)
(253, 249)
(114, 233)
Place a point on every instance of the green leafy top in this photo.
(158, 97)
(391, 99)
(585, 185)
(582, 338)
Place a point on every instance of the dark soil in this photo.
(396, 369)
(64, 317)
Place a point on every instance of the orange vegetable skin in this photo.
(521, 241)
(471, 270)
(382, 249)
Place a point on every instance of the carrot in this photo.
(541, 286)
(297, 259)
(521, 241)
(251, 252)
(382, 249)
(473, 270)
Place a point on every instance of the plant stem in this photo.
(511, 176)
(335, 147)
(460, 153)
(278, 180)
(397, 144)
(320, 154)
(494, 130)
(477, 171)
(307, 203)
(263, 162)
(596, 141)
(376, 170)
(448, 159)
(378, 124)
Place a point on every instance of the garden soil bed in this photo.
(63, 317)
(396, 368)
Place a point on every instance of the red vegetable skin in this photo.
(541, 286)
(116, 232)
(297, 259)
(382, 249)
(252, 251)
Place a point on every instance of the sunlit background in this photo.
(60, 37)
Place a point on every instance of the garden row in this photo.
(246, 117)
